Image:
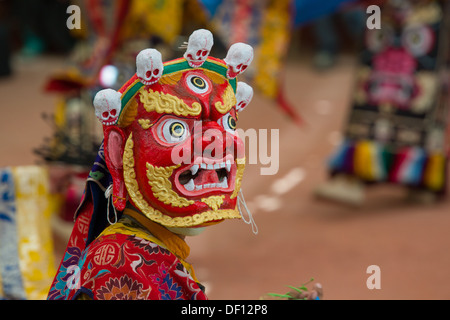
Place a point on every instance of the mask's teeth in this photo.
(224, 183)
(222, 176)
(190, 185)
(194, 169)
(228, 165)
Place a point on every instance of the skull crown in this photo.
(238, 58)
(107, 105)
(150, 68)
(198, 48)
(244, 94)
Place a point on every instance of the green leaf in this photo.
(310, 280)
(280, 295)
(303, 288)
(299, 289)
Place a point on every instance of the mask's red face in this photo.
(183, 161)
(170, 144)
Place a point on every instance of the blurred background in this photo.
(353, 96)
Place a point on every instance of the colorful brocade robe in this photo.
(135, 259)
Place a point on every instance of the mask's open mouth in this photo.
(206, 175)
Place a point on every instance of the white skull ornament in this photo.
(238, 58)
(149, 66)
(244, 94)
(199, 45)
(107, 105)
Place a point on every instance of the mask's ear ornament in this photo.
(244, 94)
(198, 48)
(149, 66)
(107, 105)
(238, 58)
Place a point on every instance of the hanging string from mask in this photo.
(242, 207)
(108, 196)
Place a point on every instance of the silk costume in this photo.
(145, 179)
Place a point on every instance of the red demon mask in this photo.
(170, 141)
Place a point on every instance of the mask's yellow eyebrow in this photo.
(167, 103)
(229, 100)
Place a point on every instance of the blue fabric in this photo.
(337, 161)
(9, 245)
(414, 172)
(98, 181)
(305, 11)
(211, 6)
(309, 10)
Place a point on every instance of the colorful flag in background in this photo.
(26, 245)
(267, 27)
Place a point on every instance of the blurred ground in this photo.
(299, 236)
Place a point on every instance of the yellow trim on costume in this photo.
(169, 240)
(120, 228)
(155, 233)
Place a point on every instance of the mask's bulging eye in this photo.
(173, 131)
(197, 84)
(231, 123)
(228, 123)
(176, 130)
